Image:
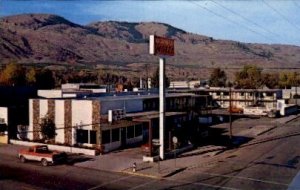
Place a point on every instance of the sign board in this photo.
(161, 46)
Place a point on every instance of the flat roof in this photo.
(146, 116)
(226, 90)
(124, 97)
(141, 96)
(139, 117)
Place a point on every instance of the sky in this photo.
(252, 21)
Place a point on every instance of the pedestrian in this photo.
(134, 167)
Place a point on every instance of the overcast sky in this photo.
(268, 21)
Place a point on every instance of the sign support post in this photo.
(163, 47)
(162, 95)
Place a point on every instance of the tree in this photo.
(270, 80)
(45, 79)
(288, 79)
(217, 78)
(48, 128)
(249, 77)
(31, 76)
(155, 79)
(12, 75)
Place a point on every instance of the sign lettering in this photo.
(161, 46)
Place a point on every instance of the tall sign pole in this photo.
(162, 106)
(163, 47)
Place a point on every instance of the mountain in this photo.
(43, 38)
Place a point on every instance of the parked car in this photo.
(42, 154)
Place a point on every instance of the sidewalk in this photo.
(114, 161)
(122, 161)
(170, 167)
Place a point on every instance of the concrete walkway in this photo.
(114, 161)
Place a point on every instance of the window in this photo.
(93, 137)
(115, 135)
(3, 127)
(130, 132)
(105, 137)
(42, 149)
(82, 136)
(138, 130)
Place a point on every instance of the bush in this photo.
(48, 128)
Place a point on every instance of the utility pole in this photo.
(147, 76)
(230, 114)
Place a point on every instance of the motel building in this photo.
(240, 98)
(111, 122)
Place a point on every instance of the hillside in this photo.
(41, 38)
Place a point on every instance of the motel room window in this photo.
(106, 137)
(138, 130)
(93, 137)
(130, 132)
(82, 136)
(115, 135)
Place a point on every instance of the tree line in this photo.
(14, 74)
(253, 77)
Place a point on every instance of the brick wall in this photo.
(96, 120)
(51, 109)
(68, 122)
(36, 119)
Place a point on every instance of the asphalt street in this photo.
(270, 161)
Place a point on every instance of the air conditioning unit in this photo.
(114, 115)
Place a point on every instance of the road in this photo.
(271, 161)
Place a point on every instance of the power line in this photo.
(281, 15)
(229, 20)
(245, 18)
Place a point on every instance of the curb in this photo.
(297, 116)
(141, 174)
(270, 129)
